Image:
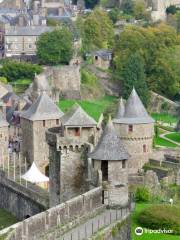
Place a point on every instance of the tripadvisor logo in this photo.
(139, 231)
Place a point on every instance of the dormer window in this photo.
(130, 128)
(77, 132)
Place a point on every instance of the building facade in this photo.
(4, 141)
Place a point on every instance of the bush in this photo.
(88, 77)
(142, 194)
(161, 217)
(14, 70)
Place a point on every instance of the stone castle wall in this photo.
(46, 222)
(4, 138)
(20, 201)
(67, 80)
(142, 134)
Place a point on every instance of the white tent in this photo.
(33, 175)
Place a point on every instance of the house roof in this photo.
(135, 112)
(27, 30)
(3, 122)
(110, 146)
(103, 53)
(4, 89)
(42, 109)
(76, 116)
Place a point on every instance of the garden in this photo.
(154, 212)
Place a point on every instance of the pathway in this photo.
(93, 225)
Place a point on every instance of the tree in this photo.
(127, 6)
(178, 21)
(55, 47)
(114, 14)
(3, 80)
(171, 9)
(97, 31)
(91, 3)
(133, 76)
(14, 70)
(139, 9)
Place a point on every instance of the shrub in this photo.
(88, 77)
(161, 217)
(13, 70)
(142, 194)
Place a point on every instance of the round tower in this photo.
(135, 127)
(110, 157)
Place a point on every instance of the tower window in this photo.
(104, 169)
(57, 121)
(144, 148)
(44, 123)
(77, 131)
(130, 127)
(124, 164)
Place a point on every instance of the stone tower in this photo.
(135, 127)
(4, 137)
(41, 115)
(110, 157)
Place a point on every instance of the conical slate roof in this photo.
(76, 116)
(121, 109)
(110, 146)
(135, 112)
(42, 109)
(3, 122)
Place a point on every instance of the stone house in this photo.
(21, 41)
(102, 58)
(4, 140)
(41, 115)
(110, 157)
(136, 129)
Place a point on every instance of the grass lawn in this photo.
(174, 136)
(21, 85)
(164, 117)
(6, 219)
(147, 236)
(163, 142)
(93, 107)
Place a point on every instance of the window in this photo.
(30, 46)
(144, 148)
(104, 169)
(130, 128)
(77, 131)
(96, 57)
(44, 123)
(57, 121)
(124, 164)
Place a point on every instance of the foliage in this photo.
(3, 80)
(91, 3)
(139, 9)
(53, 22)
(135, 217)
(171, 9)
(97, 31)
(127, 6)
(161, 217)
(142, 194)
(133, 76)
(13, 70)
(164, 117)
(158, 46)
(88, 77)
(114, 14)
(55, 47)
(163, 142)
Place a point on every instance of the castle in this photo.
(72, 148)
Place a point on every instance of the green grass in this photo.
(6, 219)
(164, 117)
(174, 136)
(147, 236)
(21, 85)
(163, 142)
(93, 107)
